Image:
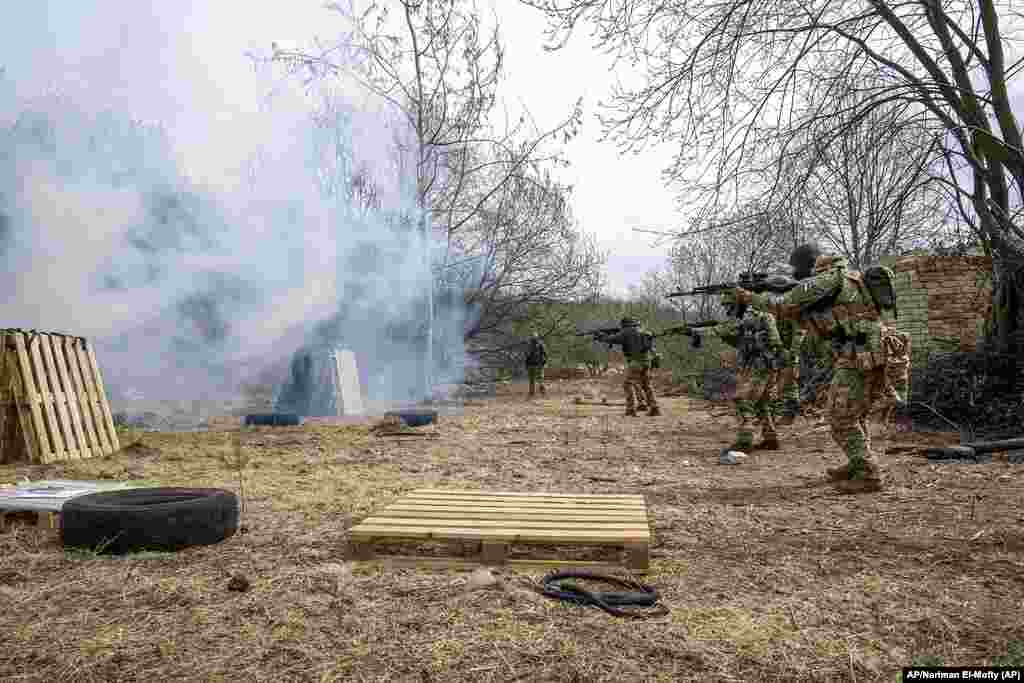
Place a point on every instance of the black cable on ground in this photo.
(554, 585)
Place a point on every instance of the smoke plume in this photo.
(199, 242)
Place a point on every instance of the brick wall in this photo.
(943, 300)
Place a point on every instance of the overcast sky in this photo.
(202, 99)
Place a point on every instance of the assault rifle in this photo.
(753, 281)
(687, 329)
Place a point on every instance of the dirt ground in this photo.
(768, 572)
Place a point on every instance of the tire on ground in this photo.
(149, 519)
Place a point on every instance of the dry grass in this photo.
(770, 575)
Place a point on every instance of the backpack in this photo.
(880, 283)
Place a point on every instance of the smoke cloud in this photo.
(196, 239)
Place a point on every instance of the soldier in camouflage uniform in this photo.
(638, 348)
(788, 404)
(536, 359)
(759, 352)
(846, 307)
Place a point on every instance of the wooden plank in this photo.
(94, 400)
(58, 399)
(612, 527)
(40, 445)
(530, 494)
(555, 536)
(74, 407)
(514, 513)
(389, 562)
(108, 420)
(46, 392)
(515, 500)
(85, 402)
(565, 507)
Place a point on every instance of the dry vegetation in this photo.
(769, 574)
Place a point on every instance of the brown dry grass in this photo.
(770, 575)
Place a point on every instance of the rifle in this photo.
(754, 281)
(600, 332)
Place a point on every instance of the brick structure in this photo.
(943, 300)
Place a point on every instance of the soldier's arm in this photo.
(774, 338)
(801, 297)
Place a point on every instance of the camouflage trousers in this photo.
(787, 395)
(851, 397)
(755, 400)
(536, 375)
(638, 383)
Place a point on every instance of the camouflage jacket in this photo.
(836, 305)
(632, 341)
(756, 339)
(792, 335)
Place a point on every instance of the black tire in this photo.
(149, 519)
(415, 417)
(273, 420)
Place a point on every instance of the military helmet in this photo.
(629, 322)
(802, 259)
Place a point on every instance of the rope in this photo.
(554, 586)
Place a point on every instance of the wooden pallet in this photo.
(496, 519)
(52, 399)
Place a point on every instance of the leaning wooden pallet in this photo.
(53, 400)
(497, 519)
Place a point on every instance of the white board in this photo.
(351, 398)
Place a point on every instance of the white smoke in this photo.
(195, 240)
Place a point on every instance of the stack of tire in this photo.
(159, 519)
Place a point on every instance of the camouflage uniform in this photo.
(536, 359)
(638, 351)
(758, 360)
(788, 403)
(836, 304)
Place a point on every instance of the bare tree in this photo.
(730, 83)
(437, 67)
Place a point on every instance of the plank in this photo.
(636, 526)
(108, 419)
(506, 513)
(74, 408)
(530, 494)
(90, 390)
(389, 562)
(82, 397)
(553, 536)
(58, 398)
(40, 446)
(46, 392)
(549, 506)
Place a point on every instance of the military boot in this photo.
(871, 479)
(769, 443)
(837, 474)
(654, 412)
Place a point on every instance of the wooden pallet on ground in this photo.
(498, 519)
(53, 405)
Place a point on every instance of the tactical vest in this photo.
(754, 350)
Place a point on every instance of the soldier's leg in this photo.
(767, 410)
(531, 372)
(746, 411)
(789, 394)
(648, 393)
(848, 405)
(628, 388)
(540, 379)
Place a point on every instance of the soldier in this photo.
(788, 404)
(846, 307)
(536, 359)
(638, 348)
(759, 353)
